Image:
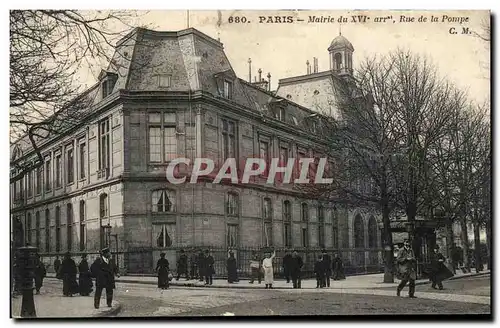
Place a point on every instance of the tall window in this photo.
(83, 236)
(103, 213)
(268, 225)
(69, 225)
(58, 229)
(304, 212)
(70, 165)
(268, 210)
(232, 204)
(82, 160)
(228, 139)
(338, 60)
(29, 228)
(321, 226)
(47, 230)
(228, 89)
(162, 137)
(58, 171)
(305, 237)
(165, 234)
(30, 183)
(232, 235)
(48, 175)
(104, 144)
(300, 154)
(335, 228)
(39, 179)
(287, 222)
(37, 230)
(163, 201)
(264, 154)
(191, 140)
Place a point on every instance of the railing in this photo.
(142, 261)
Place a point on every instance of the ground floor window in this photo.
(288, 234)
(164, 234)
(232, 235)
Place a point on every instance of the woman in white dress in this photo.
(267, 265)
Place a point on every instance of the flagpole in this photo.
(188, 19)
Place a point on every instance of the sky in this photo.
(282, 49)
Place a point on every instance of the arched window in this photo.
(268, 209)
(29, 228)
(58, 229)
(37, 230)
(69, 226)
(232, 204)
(372, 233)
(338, 61)
(163, 201)
(83, 232)
(47, 230)
(304, 212)
(359, 232)
(287, 223)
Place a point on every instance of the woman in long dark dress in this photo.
(338, 268)
(68, 273)
(84, 278)
(232, 271)
(162, 267)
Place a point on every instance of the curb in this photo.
(111, 312)
(456, 277)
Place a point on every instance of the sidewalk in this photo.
(368, 281)
(48, 305)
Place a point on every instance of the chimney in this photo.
(249, 70)
(255, 78)
(269, 81)
(315, 65)
(260, 75)
(308, 67)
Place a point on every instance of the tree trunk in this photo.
(449, 246)
(388, 246)
(465, 242)
(477, 247)
(488, 242)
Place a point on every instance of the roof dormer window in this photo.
(108, 80)
(107, 88)
(228, 89)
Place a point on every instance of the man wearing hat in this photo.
(328, 266)
(104, 273)
(182, 265)
(407, 269)
(438, 271)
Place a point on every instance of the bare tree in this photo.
(47, 50)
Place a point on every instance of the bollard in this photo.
(26, 263)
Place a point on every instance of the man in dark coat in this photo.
(57, 267)
(328, 267)
(182, 265)
(406, 269)
(68, 274)
(286, 265)
(104, 272)
(439, 271)
(84, 277)
(208, 268)
(338, 268)
(296, 264)
(162, 268)
(194, 274)
(232, 270)
(201, 265)
(40, 273)
(319, 270)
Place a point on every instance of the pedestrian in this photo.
(201, 265)
(208, 268)
(255, 268)
(439, 271)
(182, 265)
(84, 277)
(267, 265)
(286, 265)
(57, 267)
(193, 259)
(319, 270)
(40, 273)
(406, 269)
(104, 273)
(338, 268)
(328, 267)
(162, 268)
(68, 273)
(232, 268)
(296, 265)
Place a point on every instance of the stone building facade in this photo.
(168, 95)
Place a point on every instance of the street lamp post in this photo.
(26, 262)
